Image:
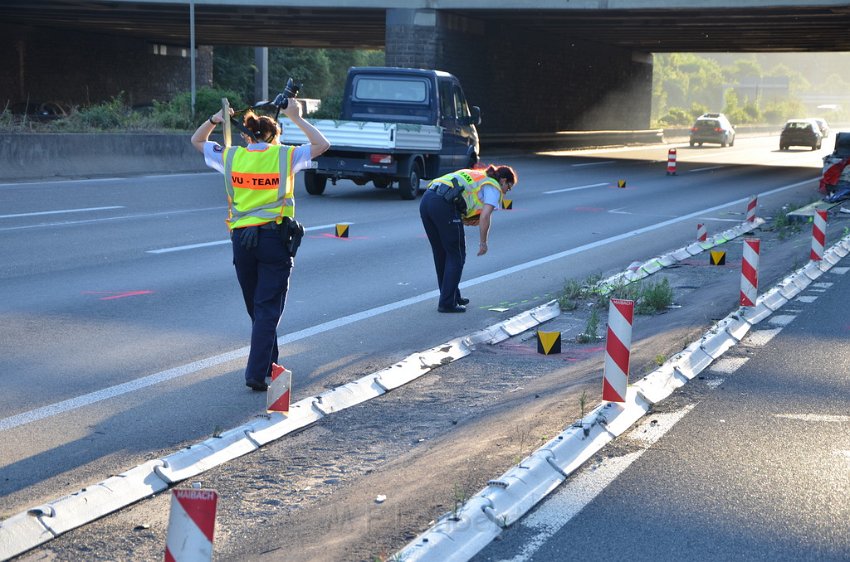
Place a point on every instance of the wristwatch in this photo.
(211, 120)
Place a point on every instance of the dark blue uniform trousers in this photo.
(263, 274)
(445, 233)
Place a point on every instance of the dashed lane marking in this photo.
(828, 418)
(759, 338)
(807, 298)
(728, 365)
(781, 319)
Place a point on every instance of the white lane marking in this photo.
(781, 319)
(221, 242)
(574, 188)
(706, 169)
(107, 219)
(584, 165)
(815, 418)
(60, 212)
(758, 338)
(581, 489)
(822, 285)
(94, 180)
(714, 383)
(728, 365)
(839, 270)
(807, 298)
(110, 392)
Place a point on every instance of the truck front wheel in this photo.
(314, 183)
(407, 187)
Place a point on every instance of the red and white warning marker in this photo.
(191, 525)
(280, 389)
(671, 162)
(751, 208)
(818, 235)
(702, 233)
(615, 377)
(750, 272)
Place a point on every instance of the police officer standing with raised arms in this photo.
(259, 180)
(465, 197)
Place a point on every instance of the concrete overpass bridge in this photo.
(532, 65)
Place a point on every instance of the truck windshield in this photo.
(392, 90)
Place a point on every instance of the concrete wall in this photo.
(523, 82)
(27, 156)
(47, 65)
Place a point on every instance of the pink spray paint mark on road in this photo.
(117, 294)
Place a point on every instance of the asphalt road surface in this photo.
(123, 335)
(751, 462)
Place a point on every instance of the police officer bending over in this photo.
(465, 197)
(259, 180)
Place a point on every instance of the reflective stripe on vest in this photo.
(259, 185)
(472, 181)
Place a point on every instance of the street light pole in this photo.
(192, 52)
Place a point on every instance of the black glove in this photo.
(248, 237)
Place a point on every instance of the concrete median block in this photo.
(736, 326)
(20, 533)
(347, 395)
(93, 502)
(487, 336)
(203, 456)
(620, 416)
(660, 383)
(694, 249)
(772, 299)
(691, 361)
(667, 260)
(757, 313)
(812, 270)
(840, 250)
(546, 312)
(652, 266)
(455, 537)
(681, 254)
(572, 447)
(522, 322)
(520, 488)
(717, 340)
(831, 258)
(788, 289)
(801, 280)
(270, 427)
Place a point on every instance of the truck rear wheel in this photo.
(407, 187)
(314, 183)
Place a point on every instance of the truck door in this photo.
(453, 151)
(467, 134)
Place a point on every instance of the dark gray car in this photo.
(800, 132)
(713, 128)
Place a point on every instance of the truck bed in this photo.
(368, 135)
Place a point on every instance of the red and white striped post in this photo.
(671, 162)
(750, 272)
(702, 234)
(618, 342)
(751, 208)
(277, 397)
(191, 525)
(818, 236)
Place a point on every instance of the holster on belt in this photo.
(291, 233)
(453, 194)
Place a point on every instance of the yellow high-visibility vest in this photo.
(472, 182)
(259, 185)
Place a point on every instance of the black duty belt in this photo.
(270, 226)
